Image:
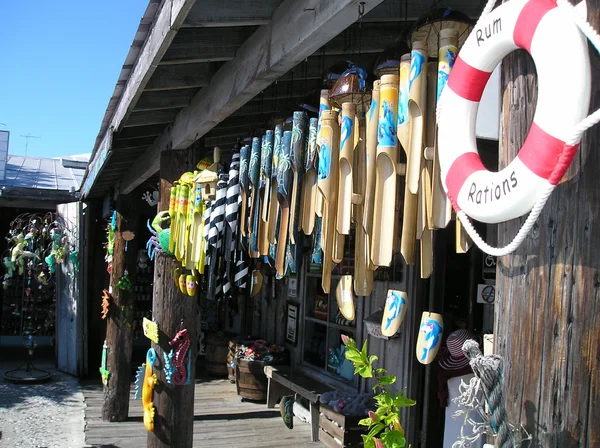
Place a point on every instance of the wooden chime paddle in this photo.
(345, 297)
(274, 203)
(244, 160)
(327, 182)
(299, 142)
(385, 183)
(254, 216)
(172, 214)
(441, 209)
(309, 187)
(266, 160)
(284, 183)
(197, 224)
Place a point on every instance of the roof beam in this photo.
(153, 130)
(298, 29)
(170, 77)
(166, 24)
(175, 99)
(194, 45)
(219, 13)
(151, 117)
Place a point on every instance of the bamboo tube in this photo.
(345, 184)
(327, 182)
(427, 155)
(403, 89)
(345, 297)
(323, 106)
(385, 183)
(266, 160)
(463, 240)
(173, 213)
(369, 202)
(310, 189)
(338, 246)
(363, 276)
(417, 102)
(441, 207)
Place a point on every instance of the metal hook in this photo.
(361, 9)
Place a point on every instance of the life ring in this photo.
(559, 50)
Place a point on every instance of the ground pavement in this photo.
(47, 415)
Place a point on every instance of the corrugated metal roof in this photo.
(41, 173)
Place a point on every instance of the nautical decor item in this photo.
(149, 381)
(105, 303)
(182, 361)
(323, 106)
(309, 187)
(559, 121)
(274, 211)
(286, 409)
(190, 285)
(254, 217)
(244, 188)
(345, 297)
(284, 184)
(231, 230)
(150, 329)
(393, 312)
(104, 373)
(169, 369)
(385, 183)
(327, 182)
(346, 162)
(430, 337)
(264, 191)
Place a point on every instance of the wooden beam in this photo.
(194, 45)
(143, 142)
(170, 77)
(166, 24)
(175, 99)
(151, 117)
(140, 131)
(219, 13)
(297, 30)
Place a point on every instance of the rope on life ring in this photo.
(570, 143)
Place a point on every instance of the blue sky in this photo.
(59, 63)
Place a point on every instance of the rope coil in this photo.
(583, 126)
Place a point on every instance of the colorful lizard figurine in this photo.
(182, 361)
(148, 383)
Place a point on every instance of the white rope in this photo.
(583, 126)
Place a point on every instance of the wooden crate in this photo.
(338, 430)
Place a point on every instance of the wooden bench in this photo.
(282, 382)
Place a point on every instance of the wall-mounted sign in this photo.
(292, 323)
(486, 294)
(489, 267)
(293, 287)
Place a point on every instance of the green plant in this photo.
(385, 430)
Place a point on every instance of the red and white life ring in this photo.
(559, 50)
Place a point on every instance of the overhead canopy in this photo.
(215, 69)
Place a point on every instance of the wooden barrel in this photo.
(216, 354)
(250, 379)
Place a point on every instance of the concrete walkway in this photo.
(48, 415)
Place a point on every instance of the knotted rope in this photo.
(489, 370)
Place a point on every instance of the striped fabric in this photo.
(215, 239)
(231, 218)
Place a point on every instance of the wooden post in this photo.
(547, 316)
(174, 418)
(118, 328)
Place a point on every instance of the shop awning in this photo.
(213, 69)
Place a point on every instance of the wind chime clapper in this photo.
(327, 183)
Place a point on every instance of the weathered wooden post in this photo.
(119, 334)
(547, 308)
(172, 310)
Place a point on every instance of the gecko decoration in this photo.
(145, 382)
(110, 240)
(169, 369)
(124, 283)
(105, 303)
(182, 361)
(151, 198)
(105, 374)
(150, 330)
(159, 241)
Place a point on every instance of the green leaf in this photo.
(365, 422)
(364, 371)
(372, 359)
(353, 356)
(393, 439)
(401, 401)
(380, 371)
(364, 349)
(376, 429)
(387, 380)
(368, 441)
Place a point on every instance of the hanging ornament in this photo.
(128, 235)
(124, 282)
(182, 358)
(150, 329)
(105, 303)
(105, 374)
